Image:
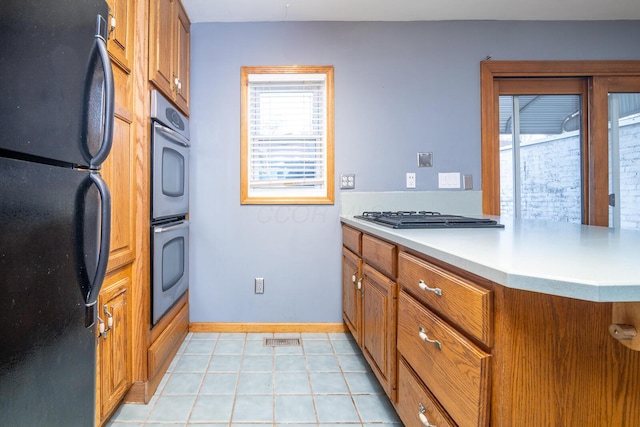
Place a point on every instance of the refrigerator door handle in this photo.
(105, 238)
(107, 134)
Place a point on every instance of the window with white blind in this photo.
(287, 135)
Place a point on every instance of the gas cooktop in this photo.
(426, 219)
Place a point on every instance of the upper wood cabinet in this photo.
(169, 51)
(120, 24)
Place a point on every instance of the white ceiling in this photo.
(409, 10)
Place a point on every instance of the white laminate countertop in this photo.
(569, 260)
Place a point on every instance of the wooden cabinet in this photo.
(379, 295)
(416, 406)
(114, 347)
(369, 301)
(440, 315)
(114, 361)
(450, 366)
(473, 353)
(460, 301)
(352, 293)
(169, 50)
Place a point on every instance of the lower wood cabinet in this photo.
(416, 406)
(454, 349)
(114, 347)
(379, 295)
(451, 367)
(352, 293)
(369, 303)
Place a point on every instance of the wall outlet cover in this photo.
(347, 181)
(259, 285)
(411, 180)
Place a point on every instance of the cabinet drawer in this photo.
(452, 368)
(380, 254)
(467, 305)
(414, 399)
(351, 239)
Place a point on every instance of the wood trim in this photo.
(490, 153)
(140, 295)
(598, 190)
(245, 199)
(561, 68)
(267, 327)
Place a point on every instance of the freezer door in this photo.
(50, 232)
(56, 91)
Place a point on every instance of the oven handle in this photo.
(171, 134)
(181, 224)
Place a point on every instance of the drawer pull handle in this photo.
(425, 421)
(424, 337)
(354, 276)
(426, 288)
(423, 417)
(359, 285)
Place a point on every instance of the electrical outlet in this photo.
(411, 180)
(348, 181)
(259, 285)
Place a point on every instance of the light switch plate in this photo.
(449, 180)
(348, 181)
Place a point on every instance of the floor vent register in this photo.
(282, 342)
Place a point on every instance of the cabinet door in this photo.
(182, 55)
(351, 296)
(379, 326)
(119, 174)
(161, 47)
(114, 347)
(121, 35)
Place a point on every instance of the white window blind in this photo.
(287, 135)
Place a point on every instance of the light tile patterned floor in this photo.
(234, 380)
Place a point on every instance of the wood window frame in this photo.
(598, 76)
(245, 198)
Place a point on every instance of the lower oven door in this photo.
(170, 266)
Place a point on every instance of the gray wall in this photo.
(399, 88)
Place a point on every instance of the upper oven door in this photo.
(170, 173)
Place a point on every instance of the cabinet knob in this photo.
(109, 317)
(112, 24)
(101, 329)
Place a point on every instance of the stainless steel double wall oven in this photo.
(169, 205)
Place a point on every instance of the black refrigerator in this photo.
(56, 124)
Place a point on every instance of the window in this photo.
(287, 135)
(558, 138)
(540, 148)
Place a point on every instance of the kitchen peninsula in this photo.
(497, 327)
